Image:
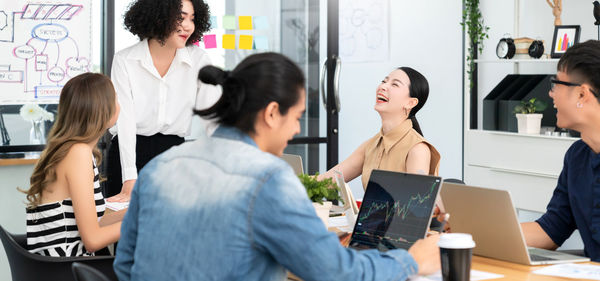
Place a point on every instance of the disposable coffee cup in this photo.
(456, 250)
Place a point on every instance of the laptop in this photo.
(349, 207)
(396, 210)
(489, 215)
(295, 161)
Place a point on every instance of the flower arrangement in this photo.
(33, 112)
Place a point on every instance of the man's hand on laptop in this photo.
(427, 254)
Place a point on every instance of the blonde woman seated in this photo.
(399, 146)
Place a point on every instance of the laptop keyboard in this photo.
(540, 258)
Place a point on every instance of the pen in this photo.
(446, 217)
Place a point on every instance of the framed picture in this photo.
(564, 37)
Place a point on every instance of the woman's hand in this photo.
(125, 194)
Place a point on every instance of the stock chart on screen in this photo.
(396, 210)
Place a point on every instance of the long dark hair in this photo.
(254, 83)
(419, 89)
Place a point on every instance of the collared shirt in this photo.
(575, 203)
(219, 208)
(389, 151)
(152, 104)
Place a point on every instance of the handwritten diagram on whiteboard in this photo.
(42, 45)
(364, 30)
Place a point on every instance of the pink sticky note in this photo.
(210, 41)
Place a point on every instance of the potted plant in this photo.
(321, 193)
(529, 120)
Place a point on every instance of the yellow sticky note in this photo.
(245, 22)
(228, 41)
(246, 42)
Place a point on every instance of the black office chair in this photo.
(84, 272)
(454, 181)
(25, 266)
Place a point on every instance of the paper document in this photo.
(341, 222)
(476, 275)
(117, 206)
(572, 270)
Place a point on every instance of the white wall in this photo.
(427, 36)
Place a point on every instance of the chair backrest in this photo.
(83, 272)
(25, 266)
(454, 181)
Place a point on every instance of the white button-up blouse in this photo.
(152, 104)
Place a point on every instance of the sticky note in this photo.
(210, 41)
(228, 41)
(245, 22)
(229, 22)
(261, 43)
(261, 22)
(246, 42)
(213, 22)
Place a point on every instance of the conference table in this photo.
(510, 271)
(513, 271)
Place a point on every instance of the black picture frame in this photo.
(559, 31)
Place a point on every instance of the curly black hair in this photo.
(157, 19)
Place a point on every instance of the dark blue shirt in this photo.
(575, 203)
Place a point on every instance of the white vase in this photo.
(323, 211)
(37, 132)
(529, 123)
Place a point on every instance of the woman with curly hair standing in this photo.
(155, 81)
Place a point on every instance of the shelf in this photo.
(517, 61)
(18, 161)
(569, 139)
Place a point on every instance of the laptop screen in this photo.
(396, 210)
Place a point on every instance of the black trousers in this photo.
(146, 148)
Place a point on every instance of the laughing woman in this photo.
(399, 146)
(155, 81)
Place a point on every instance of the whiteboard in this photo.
(43, 44)
(364, 30)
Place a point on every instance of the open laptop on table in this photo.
(349, 207)
(295, 161)
(489, 215)
(396, 210)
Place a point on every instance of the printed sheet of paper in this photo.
(572, 270)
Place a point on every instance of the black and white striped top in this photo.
(51, 227)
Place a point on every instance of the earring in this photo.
(579, 105)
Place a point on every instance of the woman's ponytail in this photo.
(415, 124)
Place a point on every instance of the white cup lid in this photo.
(456, 241)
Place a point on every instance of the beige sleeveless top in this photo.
(389, 151)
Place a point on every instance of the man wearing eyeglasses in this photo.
(575, 203)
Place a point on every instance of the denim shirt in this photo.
(575, 203)
(219, 208)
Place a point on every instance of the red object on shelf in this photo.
(358, 203)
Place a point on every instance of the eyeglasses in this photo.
(554, 81)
